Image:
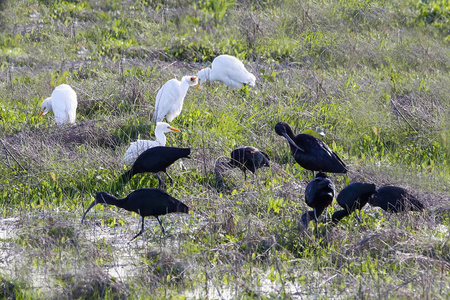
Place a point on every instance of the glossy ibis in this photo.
(353, 197)
(248, 158)
(154, 160)
(311, 153)
(319, 194)
(145, 202)
(136, 148)
(395, 199)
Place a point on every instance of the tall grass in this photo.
(373, 75)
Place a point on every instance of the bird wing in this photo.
(231, 71)
(64, 104)
(316, 187)
(236, 77)
(310, 192)
(71, 105)
(165, 99)
(59, 106)
(136, 148)
(317, 145)
(266, 155)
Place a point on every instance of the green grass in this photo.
(373, 75)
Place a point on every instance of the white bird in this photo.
(228, 69)
(136, 148)
(63, 103)
(170, 97)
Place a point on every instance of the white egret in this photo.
(170, 97)
(63, 103)
(136, 148)
(228, 69)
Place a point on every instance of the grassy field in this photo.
(373, 75)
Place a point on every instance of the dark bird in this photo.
(319, 194)
(311, 153)
(353, 197)
(248, 158)
(145, 202)
(155, 160)
(395, 199)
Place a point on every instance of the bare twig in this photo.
(403, 117)
(7, 152)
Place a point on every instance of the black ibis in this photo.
(155, 160)
(319, 194)
(145, 202)
(395, 199)
(248, 158)
(311, 153)
(353, 197)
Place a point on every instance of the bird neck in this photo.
(339, 215)
(160, 137)
(109, 199)
(289, 132)
(204, 74)
(48, 105)
(184, 85)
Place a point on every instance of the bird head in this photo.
(183, 208)
(283, 129)
(202, 76)
(321, 175)
(192, 80)
(165, 127)
(98, 199)
(46, 106)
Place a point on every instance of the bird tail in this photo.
(415, 204)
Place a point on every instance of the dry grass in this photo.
(366, 73)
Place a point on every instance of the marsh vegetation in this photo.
(372, 75)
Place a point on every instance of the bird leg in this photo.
(315, 215)
(170, 178)
(159, 180)
(163, 230)
(140, 232)
(358, 215)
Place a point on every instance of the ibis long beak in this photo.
(89, 208)
(42, 111)
(174, 129)
(198, 84)
(292, 142)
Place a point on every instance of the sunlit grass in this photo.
(373, 75)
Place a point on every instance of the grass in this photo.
(373, 75)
